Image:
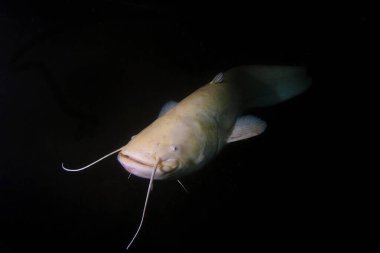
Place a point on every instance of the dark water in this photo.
(78, 80)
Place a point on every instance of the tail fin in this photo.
(268, 85)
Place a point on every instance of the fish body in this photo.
(188, 134)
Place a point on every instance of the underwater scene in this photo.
(228, 166)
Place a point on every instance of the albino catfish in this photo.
(188, 134)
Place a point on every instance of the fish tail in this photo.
(268, 85)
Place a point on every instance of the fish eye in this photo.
(173, 148)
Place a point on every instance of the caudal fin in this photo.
(268, 85)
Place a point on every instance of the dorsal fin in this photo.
(218, 78)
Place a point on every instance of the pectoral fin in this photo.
(246, 127)
(167, 107)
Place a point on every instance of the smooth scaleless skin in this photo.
(187, 136)
(192, 132)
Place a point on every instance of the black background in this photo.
(78, 79)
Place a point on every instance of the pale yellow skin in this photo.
(187, 136)
(190, 134)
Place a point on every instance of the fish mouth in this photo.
(134, 160)
(136, 166)
(142, 168)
